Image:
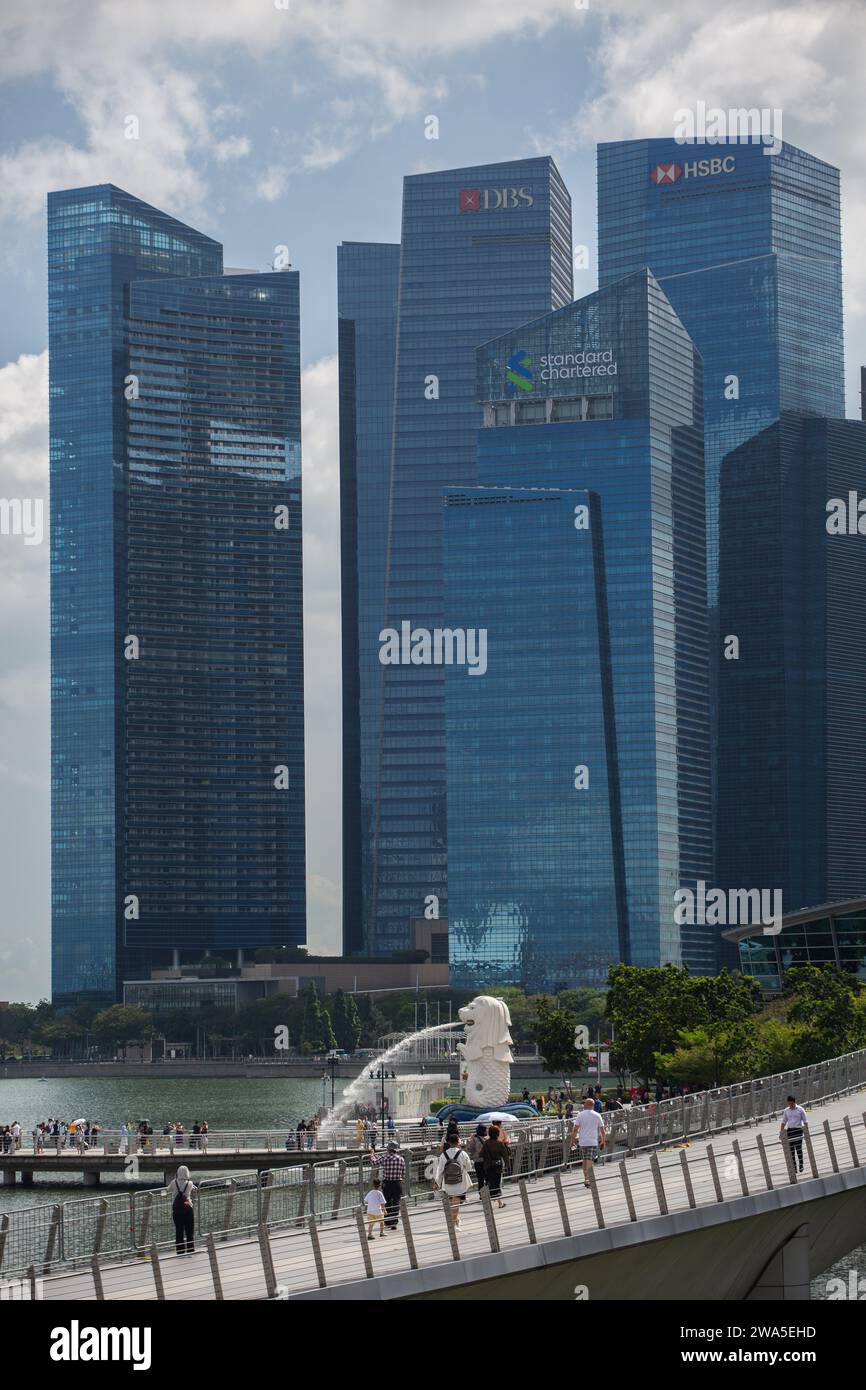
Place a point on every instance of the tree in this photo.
(649, 1007)
(824, 1001)
(554, 1033)
(122, 1025)
(346, 1023)
(589, 1007)
(316, 1032)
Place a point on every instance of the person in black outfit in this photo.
(181, 1191)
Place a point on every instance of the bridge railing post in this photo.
(214, 1267)
(741, 1169)
(831, 1148)
(714, 1173)
(768, 1177)
(490, 1220)
(317, 1252)
(563, 1210)
(267, 1261)
(407, 1233)
(362, 1236)
(687, 1178)
(659, 1185)
(851, 1144)
(157, 1273)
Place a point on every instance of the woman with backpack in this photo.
(474, 1150)
(493, 1154)
(181, 1191)
(452, 1175)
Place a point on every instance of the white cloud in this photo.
(235, 147)
(162, 63)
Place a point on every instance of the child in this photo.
(375, 1201)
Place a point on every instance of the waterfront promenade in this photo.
(730, 1198)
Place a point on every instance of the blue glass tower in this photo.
(792, 728)
(177, 682)
(747, 247)
(481, 249)
(578, 764)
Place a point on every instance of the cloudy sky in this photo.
(267, 122)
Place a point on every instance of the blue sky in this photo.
(264, 125)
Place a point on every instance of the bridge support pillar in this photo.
(27, 1177)
(786, 1277)
(91, 1177)
(9, 1176)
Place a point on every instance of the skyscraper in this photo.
(747, 247)
(481, 249)
(177, 677)
(578, 762)
(792, 731)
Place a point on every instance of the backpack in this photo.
(180, 1203)
(453, 1172)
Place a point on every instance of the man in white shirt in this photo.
(589, 1136)
(793, 1123)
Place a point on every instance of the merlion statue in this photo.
(486, 1052)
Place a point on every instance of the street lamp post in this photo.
(381, 1076)
(332, 1063)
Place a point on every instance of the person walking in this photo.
(474, 1149)
(794, 1122)
(452, 1175)
(494, 1152)
(181, 1191)
(359, 1133)
(203, 1134)
(589, 1136)
(16, 1136)
(391, 1167)
(375, 1205)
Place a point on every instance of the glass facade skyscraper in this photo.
(578, 763)
(177, 677)
(792, 728)
(481, 249)
(747, 247)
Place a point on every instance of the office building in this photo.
(176, 656)
(747, 247)
(792, 728)
(578, 758)
(481, 249)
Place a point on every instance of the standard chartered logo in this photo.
(518, 373)
(557, 366)
(568, 366)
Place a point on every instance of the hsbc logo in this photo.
(493, 199)
(698, 169)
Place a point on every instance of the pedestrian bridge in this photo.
(720, 1216)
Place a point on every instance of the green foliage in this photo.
(589, 1007)
(824, 1000)
(123, 1024)
(554, 1033)
(316, 1031)
(649, 1008)
(346, 1023)
(653, 1009)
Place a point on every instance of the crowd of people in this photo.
(85, 1134)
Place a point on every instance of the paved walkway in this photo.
(240, 1260)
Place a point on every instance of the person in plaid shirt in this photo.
(392, 1168)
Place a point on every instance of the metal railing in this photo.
(66, 1233)
(631, 1195)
